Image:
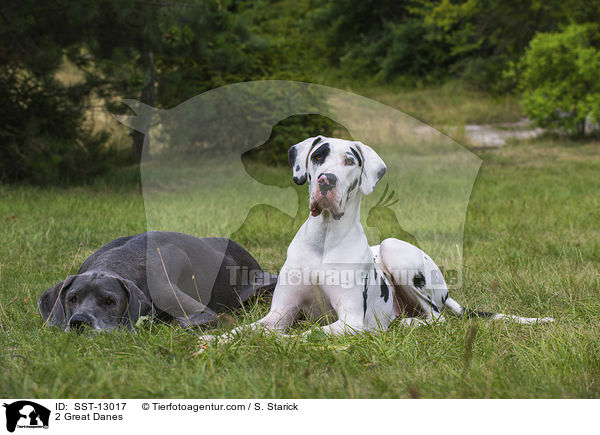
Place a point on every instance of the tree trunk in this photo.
(140, 143)
(581, 128)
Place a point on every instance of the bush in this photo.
(42, 135)
(406, 49)
(559, 76)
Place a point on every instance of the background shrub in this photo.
(42, 133)
(560, 78)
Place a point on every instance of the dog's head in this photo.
(95, 301)
(337, 170)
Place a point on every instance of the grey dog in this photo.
(166, 274)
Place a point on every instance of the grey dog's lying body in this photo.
(156, 273)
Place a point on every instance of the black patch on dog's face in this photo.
(419, 280)
(385, 291)
(350, 190)
(320, 154)
(292, 156)
(331, 183)
(357, 155)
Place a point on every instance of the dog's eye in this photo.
(73, 299)
(349, 161)
(109, 301)
(318, 157)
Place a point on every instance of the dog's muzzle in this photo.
(325, 196)
(326, 182)
(79, 322)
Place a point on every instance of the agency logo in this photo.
(27, 415)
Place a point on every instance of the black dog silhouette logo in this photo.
(382, 217)
(26, 414)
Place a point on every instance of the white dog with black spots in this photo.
(330, 270)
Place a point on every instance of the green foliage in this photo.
(167, 52)
(197, 45)
(288, 46)
(381, 40)
(426, 41)
(411, 49)
(42, 121)
(291, 131)
(559, 77)
(42, 133)
(190, 46)
(483, 36)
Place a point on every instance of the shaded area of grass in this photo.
(531, 248)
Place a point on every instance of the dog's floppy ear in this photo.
(138, 304)
(297, 158)
(51, 304)
(373, 170)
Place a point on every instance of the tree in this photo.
(433, 39)
(484, 36)
(42, 132)
(559, 77)
(380, 39)
(162, 52)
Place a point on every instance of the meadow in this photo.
(530, 247)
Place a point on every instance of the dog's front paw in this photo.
(205, 341)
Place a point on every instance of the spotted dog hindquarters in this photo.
(421, 293)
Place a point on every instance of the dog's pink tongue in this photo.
(314, 212)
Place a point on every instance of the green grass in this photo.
(531, 248)
(454, 103)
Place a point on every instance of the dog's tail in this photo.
(455, 308)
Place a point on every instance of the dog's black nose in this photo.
(327, 178)
(79, 321)
(326, 182)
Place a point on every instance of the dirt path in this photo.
(489, 135)
(496, 135)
